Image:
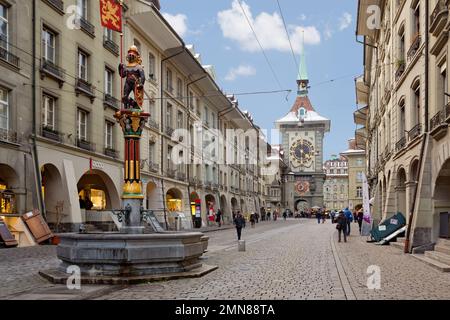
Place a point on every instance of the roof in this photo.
(353, 151)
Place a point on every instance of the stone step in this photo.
(443, 242)
(433, 263)
(442, 248)
(439, 256)
(398, 245)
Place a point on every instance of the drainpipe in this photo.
(162, 129)
(408, 244)
(41, 203)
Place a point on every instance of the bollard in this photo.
(241, 245)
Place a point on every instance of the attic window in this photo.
(301, 112)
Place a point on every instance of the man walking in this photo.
(219, 217)
(319, 216)
(349, 217)
(341, 225)
(239, 222)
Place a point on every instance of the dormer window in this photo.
(302, 113)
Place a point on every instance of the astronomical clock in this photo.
(302, 153)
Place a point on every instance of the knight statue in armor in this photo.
(134, 76)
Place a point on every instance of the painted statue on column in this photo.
(134, 75)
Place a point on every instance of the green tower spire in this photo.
(302, 77)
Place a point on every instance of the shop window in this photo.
(7, 200)
(92, 199)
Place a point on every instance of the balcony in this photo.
(208, 185)
(48, 68)
(387, 153)
(438, 18)
(401, 144)
(215, 187)
(9, 136)
(57, 5)
(170, 173)
(169, 131)
(438, 125)
(110, 45)
(192, 181)
(415, 132)
(50, 133)
(8, 57)
(86, 145)
(414, 46)
(153, 167)
(401, 66)
(110, 152)
(153, 124)
(84, 87)
(447, 112)
(110, 101)
(181, 176)
(87, 27)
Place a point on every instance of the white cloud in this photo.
(328, 33)
(302, 17)
(242, 70)
(178, 22)
(345, 21)
(268, 27)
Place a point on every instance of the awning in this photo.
(362, 91)
(369, 14)
(360, 116)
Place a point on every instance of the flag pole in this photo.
(121, 50)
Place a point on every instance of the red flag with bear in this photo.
(111, 14)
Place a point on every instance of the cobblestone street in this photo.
(294, 259)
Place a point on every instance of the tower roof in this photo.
(302, 69)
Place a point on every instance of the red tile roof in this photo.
(302, 101)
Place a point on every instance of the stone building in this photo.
(355, 159)
(404, 114)
(336, 186)
(302, 132)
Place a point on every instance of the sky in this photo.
(221, 34)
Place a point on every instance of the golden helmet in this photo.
(134, 49)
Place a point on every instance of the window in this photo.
(213, 120)
(82, 119)
(49, 45)
(109, 81)
(359, 192)
(205, 116)
(180, 119)
(169, 81)
(359, 162)
(416, 19)
(169, 115)
(402, 119)
(82, 65)
(4, 109)
(191, 100)
(48, 112)
(169, 158)
(137, 44)
(359, 177)
(82, 9)
(108, 34)
(401, 46)
(179, 88)
(151, 66)
(443, 84)
(151, 152)
(4, 27)
(109, 135)
(416, 96)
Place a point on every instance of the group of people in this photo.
(343, 220)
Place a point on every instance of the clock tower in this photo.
(302, 132)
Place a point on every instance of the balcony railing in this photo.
(9, 136)
(438, 17)
(181, 176)
(171, 173)
(415, 132)
(82, 86)
(169, 131)
(86, 145)
(51, 69)
(414, 46)
(208, 185)
(153, 167)
(153, 124)
(51, 134)
(438, 124)
(400, 70)
(110, 101)
(111, 45)
(58, 5)
(8, 57)
(87, 27)
(215, 187)
(447, 112)
(401, 144)
(437, 120)
(110, 152)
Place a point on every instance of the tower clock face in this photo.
(302, 152)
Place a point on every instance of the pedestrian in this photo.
(341, 225)
(219, 217)
(284, 215)
(268, 215)
(257, 217)
(233, 215)
(252, 220)
(324, 216)
(360, 219)
(349, 217)
(318, 216)
(239, 222)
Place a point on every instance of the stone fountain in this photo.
(131, 255)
